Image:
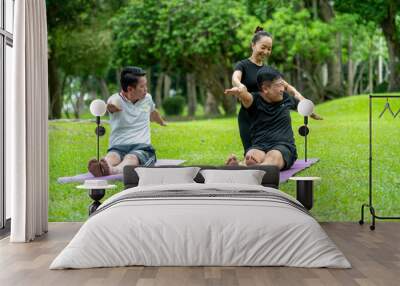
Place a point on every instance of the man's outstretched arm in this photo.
(155, 116)
(242, 94)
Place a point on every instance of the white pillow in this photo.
(166, 176)
(249, 177)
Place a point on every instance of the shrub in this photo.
(173, 105)
(382, 87)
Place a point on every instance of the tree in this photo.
(199, 38)
(62, 15)
(384, 13)
(335, 80)
(303, 44)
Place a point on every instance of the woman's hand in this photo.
(234, 91)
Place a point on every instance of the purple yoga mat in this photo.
(298, 166)
(117, 177)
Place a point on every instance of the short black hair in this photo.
(267, 75)
(130, 77)
(133, 70)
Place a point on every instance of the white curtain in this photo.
(27, 113)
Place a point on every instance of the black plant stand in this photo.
(305, 190)
(96, 195)
(370, 204)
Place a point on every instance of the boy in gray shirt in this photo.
(131, 111)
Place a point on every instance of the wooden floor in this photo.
(374, 255)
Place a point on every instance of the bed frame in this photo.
(270, 179)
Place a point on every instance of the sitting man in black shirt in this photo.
(272, 139)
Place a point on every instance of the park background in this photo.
(333, 52)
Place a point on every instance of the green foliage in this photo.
(382, 87)
(178, 34)
(264, 9)
(174, 105)
(83, 52)
(366, 42)
(340, 141)
(296, 33)
(369, 10)
(134, 31)
(68, 14)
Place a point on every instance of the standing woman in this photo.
(245, 77)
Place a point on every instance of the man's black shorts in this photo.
(289, 154)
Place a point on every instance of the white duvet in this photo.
(183, 231)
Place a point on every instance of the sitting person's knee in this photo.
(132, 159)
(274, 157)
(113, 158)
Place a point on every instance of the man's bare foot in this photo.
(94, 168)
(250, 160)
(105, 169)
(232, 161)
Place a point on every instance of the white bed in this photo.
(185, 230)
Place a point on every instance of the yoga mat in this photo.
(298, 166)
(117, 177)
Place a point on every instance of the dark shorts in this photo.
(289, 154)
(144, 152)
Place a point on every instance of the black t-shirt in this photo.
(249, 74)
(271, 123)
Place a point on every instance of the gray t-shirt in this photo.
(132, 124)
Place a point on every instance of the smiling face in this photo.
(262, 48)
(273, 91)
(139, 91)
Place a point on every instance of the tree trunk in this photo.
(370, 74)
(228, 102)
(167, 85)
(358, 88)
(159, 85)
(335, 70)
(315, 9)
(191, 93)
(148, 76)
(79, 100)
(314, 81)
(393, 42)
(380, 62)
(105, 93)
(350, 72)
(335, 86)
(299, 78)
(202, 94)
(211, 107)
(56, 99)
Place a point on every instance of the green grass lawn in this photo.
(340, 141)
